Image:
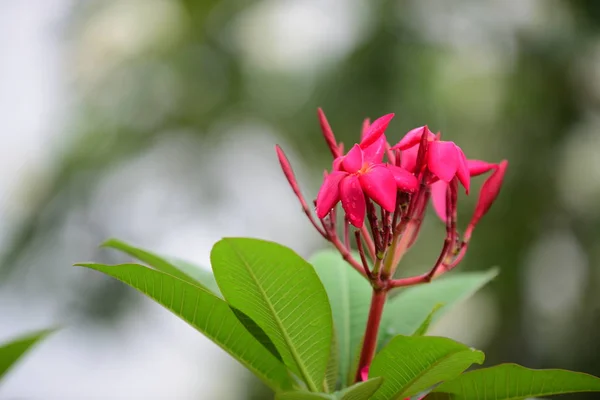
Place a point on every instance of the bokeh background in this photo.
(154, 121)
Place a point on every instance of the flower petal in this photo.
(462, 172)
(442, 160)
(329, 194)
(379, 184)
(337, 164)
(478, 167)
(489, 191)
(408, 158)
(405, 181)
(438, 198)
(328, 134)
(374, 153)
(353, 200)
(413, 137)
(376, 129)
(353, 161)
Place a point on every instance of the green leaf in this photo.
(422, 330)
(331, 373)
(361, 391)
(404, 313)
(208, 314)
(514, 382)
(172, 266)
(349, 295)
(282, 293)
(303, 396)
(12, 351)
(411, 364)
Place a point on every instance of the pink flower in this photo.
(438, 189)
(361, 172)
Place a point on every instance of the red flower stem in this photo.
(347, 233)
(346, 255)
(368, 241)
(361, 252)
(370, 341)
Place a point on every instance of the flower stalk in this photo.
(384, 204)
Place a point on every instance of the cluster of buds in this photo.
(384, 191)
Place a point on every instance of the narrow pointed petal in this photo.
(442, 160)
(328, 134)
(477, 167)
(408, 158)
(365, 128)
(405, 181)
(353, 161)
(374, 153)
(462, 172)
(329, 194)
(489, 192)
(379, 184)
(337, 164)
(413, 137)
(353, 200)
(438, 198)
(376, 129)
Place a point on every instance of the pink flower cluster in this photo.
(388, 188)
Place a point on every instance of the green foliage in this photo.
(361, 390)
(283, 323)
(514, 382)
(349, 295)
(411, 364)
(178, 268)
(282, 293)
(407, 311)
(12, 351)
(208, 314)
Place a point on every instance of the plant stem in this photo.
(370, 340)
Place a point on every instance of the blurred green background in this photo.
(154, 121)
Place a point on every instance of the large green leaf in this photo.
(411, 364)
(349, 295)
(514, 382)
(422, 330)
(210, 315)
(281, 292)
(303, 396)
(331, 374)
(12, 351)
(361, 391)
(172, 266)
(404, 313)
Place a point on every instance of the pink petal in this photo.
(379, 184)
(337, 164)
(477, 167)
(329, 194)
(462, 172)
(364, 373)
(365, 128)
(353, 200)
(413, 137)
(353, 161)
(374, 153)
(489, 192)
(405, 181)
(376, 129)
(408, 158)
(328, 134)
(438, 198)
(442, 160)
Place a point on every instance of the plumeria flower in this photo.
(445, 160)
(438, 189)
(361, 172)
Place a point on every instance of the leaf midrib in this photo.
(311, 385)
(432, 365)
